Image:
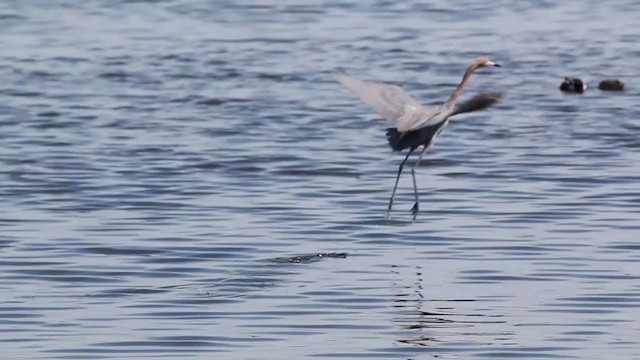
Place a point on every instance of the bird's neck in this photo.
(451, 103)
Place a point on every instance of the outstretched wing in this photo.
(390, 102)
(478, 102)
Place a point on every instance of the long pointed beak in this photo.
(498, 65)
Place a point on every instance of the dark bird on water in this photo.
(573, 85)
(414, 125)
(611, 85)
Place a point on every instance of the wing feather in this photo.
(478, 102)
(391, 102)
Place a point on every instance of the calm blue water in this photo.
(183, 179)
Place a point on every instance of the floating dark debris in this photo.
(305, 259)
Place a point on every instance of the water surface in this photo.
(184, 179)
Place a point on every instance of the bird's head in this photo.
(484, 62)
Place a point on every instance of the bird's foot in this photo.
(389, 209)
(414, 211)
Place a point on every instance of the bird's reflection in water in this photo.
(412, 316)
(419, 318)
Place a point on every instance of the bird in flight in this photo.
(414, 125)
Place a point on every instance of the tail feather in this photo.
(415, 138)
(394, 137)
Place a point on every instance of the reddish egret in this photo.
(415, 125)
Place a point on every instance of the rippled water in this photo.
(184, 179)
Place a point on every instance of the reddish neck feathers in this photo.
(451, 103)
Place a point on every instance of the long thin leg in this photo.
(416, 207)
(396, 185)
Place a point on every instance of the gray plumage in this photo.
(413, 124)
